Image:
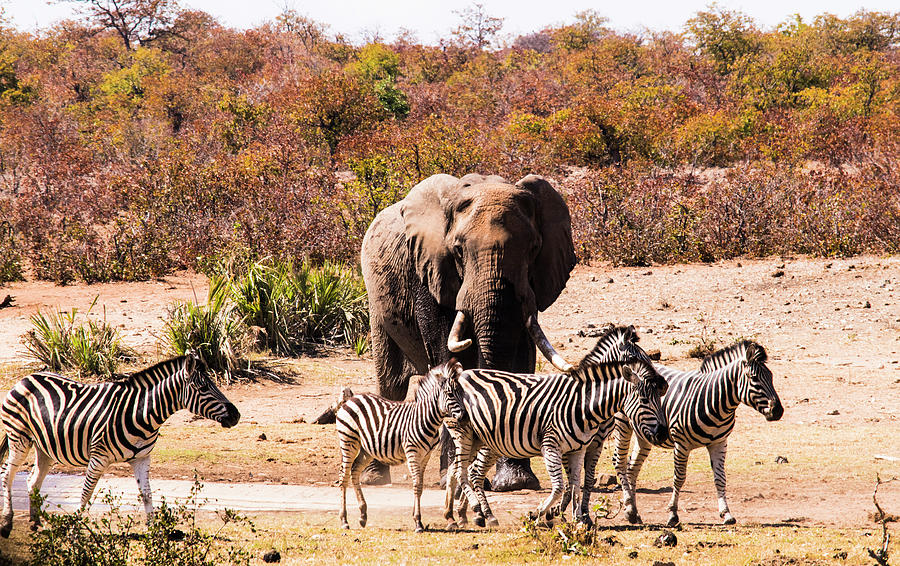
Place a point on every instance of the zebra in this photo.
(372, 427)
(524, 415)
(700, 408)
(96, 425)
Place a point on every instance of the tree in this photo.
(137, 22)
(477, 28)
(723, 35)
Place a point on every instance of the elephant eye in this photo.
(457, 251)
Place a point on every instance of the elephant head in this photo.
(494, 252)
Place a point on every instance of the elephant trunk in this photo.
(540, 340)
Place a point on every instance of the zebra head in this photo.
(616, 344)
(755, 382)
(646, 410)
(201, 396)
(450, 402)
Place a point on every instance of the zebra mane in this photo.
(437, 374)
(746, 349)
(612, 333)
(165, 367)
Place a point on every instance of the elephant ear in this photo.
(426, 223)
(557, 256)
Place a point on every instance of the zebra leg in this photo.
(42, 464)
(453, 474)
(362, 460)
(95, 469)
(141, 469)
(623, 443)
(591, 456)
(465, 445)
(483, 462)
(349, 452)
(417, 462)
(717, 462)
(18, 453)
(553, 462)
(681, 460)
(575, 464)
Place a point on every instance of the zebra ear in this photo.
(632, 334)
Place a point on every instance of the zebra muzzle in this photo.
(231, 418)
(774, 411)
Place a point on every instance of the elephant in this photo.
(460, 267)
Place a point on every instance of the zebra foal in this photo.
(521, 416)
(96, 425)
(700, 407)
(372, 427)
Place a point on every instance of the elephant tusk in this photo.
(454, 344)
(544, 346)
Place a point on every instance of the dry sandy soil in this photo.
(831, 328)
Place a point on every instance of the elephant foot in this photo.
(512, 475)
(673, 521)
(376, 473)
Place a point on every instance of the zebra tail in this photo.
(4, 450)
(329, 416)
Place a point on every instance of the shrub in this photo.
(91, 348)
(10, 258)
(214, 330)
(300, 305)
(171, 538)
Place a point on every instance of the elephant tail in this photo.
(329, 416)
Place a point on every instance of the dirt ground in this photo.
(831, 328)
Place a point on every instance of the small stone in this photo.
(610, 280)
(661, 563)
(778, 273)
(739, 264)
(271, 556)
(655, 355)
(593, 277)
(868, 305)
(262, 437)
(781, 460)
(606, 480)
(833, 413)
(667, 538)
(632, 554)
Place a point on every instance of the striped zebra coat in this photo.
(96, 425)
(522, 415)
(372, 427)
(700, 407)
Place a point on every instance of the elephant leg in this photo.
(392, 373)
(513, 474)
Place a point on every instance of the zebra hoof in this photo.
(420, 529)
(729, 520)
(363, 521)
(673, 521)
(585, 520)
(5, 530)
(492, 522)
(345, 526)
(479, 521)
(634, 518)
(452, 526)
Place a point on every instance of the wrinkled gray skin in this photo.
(497, 252)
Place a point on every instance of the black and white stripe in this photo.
(96, 425)
(372, 427)
(700, 407)
(524, 415)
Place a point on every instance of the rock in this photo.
(778, 273)
(262, 437)
(632, 554)
(655, 355)
(610, 280)
(781, 460)
(667, 538)
(661, 563)
(868, 305)
(606, 480)
(833, 413)
(271, 556)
